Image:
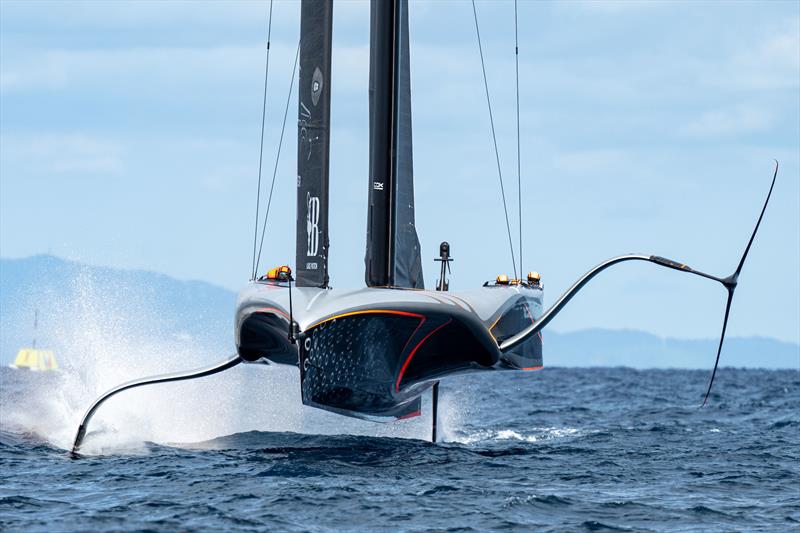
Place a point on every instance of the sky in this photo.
(129, 137)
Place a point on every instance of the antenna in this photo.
(519, 157)
(494, 141)
(292, 331)
(275, 168)
(261, 144)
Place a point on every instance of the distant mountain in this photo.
(81, 306)
(637, 349)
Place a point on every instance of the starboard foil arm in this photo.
(564, 299)
(729, 282)
(163, 378)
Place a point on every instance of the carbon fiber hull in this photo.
(371, 353)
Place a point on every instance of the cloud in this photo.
(46, 73)
(592, 162)
(610, 6)
(153, 70)
(771, 63)
(350, 66)
(141, 18)
(730, 122)
(64, 154)
(58, 69)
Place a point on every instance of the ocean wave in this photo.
(531, 436)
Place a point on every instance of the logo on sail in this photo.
(316, 85)
(312, 224)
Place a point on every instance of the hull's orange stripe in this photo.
(422, 321)
(411, 355)
(527, 310)
(533, 368)
(369, 312)
(272, 310)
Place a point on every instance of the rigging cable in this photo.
(261, 145)
(519, 164)
(494, 138)
(278, 155)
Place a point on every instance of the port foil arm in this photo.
(164, 378)
(729, 282)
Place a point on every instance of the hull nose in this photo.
(264, 335)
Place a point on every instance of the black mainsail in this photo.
(313, 143)
(393, 251)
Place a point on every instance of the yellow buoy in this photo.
(33, 359)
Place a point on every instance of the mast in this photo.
(393, 251)
(313, 144)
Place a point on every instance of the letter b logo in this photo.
(312, 221)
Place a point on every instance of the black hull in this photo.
(375, 363)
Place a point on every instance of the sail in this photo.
(313, 144)
(393, 250)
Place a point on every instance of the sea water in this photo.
(560, 449)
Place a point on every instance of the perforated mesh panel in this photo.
(351, 362)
